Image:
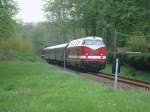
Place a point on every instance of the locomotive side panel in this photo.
(73, 53)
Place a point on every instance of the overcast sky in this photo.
(30, 10)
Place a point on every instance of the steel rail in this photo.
(138, 83)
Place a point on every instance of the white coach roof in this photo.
(57, 46)
(77, 42)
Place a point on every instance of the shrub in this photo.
(12, 55)
(138, 61)
(16, 43)
(17, 49)
(138, 44)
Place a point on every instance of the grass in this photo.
(130, 73)
(13, 55)
(39, 87)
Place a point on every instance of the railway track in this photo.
(137, 83)
(123, 82)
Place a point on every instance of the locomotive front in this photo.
(87, 53)
(93, 54)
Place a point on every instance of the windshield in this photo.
(98, 42)
(93, 42)
(89, 42)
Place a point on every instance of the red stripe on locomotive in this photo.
(101, 51)
(91, 54)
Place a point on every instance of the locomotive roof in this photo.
(55, 47)
(78, 42)
(92, 37)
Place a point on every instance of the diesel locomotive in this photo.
(87, 53)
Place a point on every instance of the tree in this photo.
(100, 18)
(7, 11)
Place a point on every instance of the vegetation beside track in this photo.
(39, 87)
(15, 55)
(130, 72)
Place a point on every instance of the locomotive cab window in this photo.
(96, 42)
(89, 42)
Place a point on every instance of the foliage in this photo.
(136, 60)
(138, 44)
(140, 61)
(100, 18)
(16, 43)
(39, 87)
(8, 9)
(40, 34)
(71, 19)
(13, 55)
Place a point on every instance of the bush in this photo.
(16, 43)
(138, 44)
(12, 55)
(138, 61)
(17, 49)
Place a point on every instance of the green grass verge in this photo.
(130, 73)
(12, 55)
(39, 87)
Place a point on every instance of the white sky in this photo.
(30, 10)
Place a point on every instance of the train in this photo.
(88, 54)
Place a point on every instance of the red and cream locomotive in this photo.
(87, 53)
